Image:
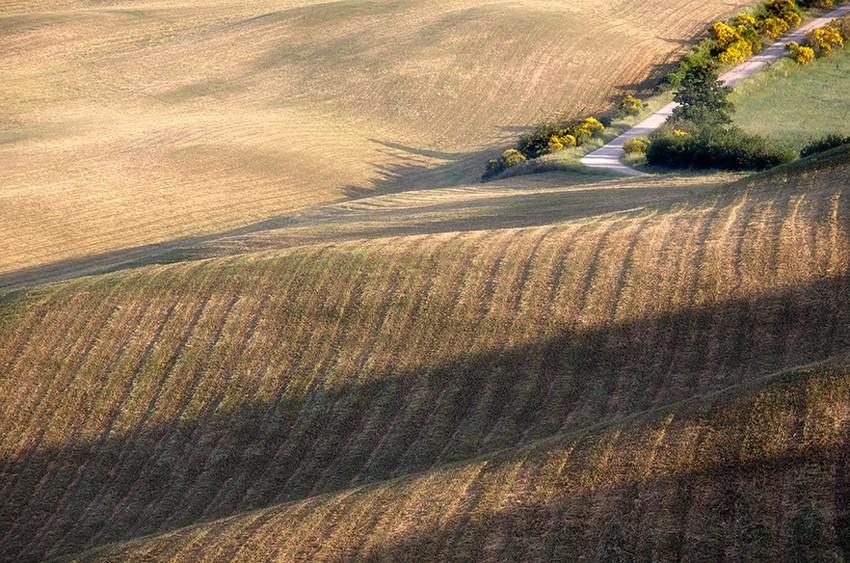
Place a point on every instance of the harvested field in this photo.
(126, 126)
(216, 387)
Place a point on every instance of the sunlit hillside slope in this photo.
(131, 123)
(143, 401)
(757, 473)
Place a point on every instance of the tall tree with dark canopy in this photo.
(702, 98)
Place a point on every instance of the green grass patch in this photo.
(794, 105)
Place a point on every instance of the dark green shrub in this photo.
(536, 143)
(824, 144)
(715, 147)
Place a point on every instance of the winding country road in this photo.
(608, 157)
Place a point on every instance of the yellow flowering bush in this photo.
(822, 41)
(737, 52)
(842, 26)
(567, 140)
(638, 145)
(591, 126)
(680, 133)
(786, 10)
(793, 19)
(723, 34)
(630, 106)
(512, 157)
(745, 19)
(560, 142)
(772, 27)
(804, 55)
(554, 145)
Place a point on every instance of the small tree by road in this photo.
(702, 99)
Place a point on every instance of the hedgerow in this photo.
(546, 138)
(723, 148)
(824, 144)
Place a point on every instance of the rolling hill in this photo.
(390, 395)
(127, 125)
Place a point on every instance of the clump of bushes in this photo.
(509, 158)
(697, 135)
(800, 54)
(638, 145)
(821, 42)
(629, 106)
(824, 144)
(738, 39)
(725, 148)
(546, 138)
(785, 10)
(772, 27)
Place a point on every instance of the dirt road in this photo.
(608, 156)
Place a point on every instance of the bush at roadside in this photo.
(824, 144)
(721, 148)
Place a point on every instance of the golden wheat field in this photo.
(130, 124)
(426, 384)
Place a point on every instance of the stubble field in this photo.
(144, 401)
(125, 126)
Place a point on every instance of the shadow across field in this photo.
(746, 508)
(56, 501)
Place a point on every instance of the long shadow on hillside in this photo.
(792, 502)
(383, 425)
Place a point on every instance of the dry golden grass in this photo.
(131, 125)
(732, 476)
(144, 401)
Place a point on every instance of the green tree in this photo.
(702, 99)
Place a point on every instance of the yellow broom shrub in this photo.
(723, 34)
(772, 27)
(737, 52)
(630, 106)
(554, 145)
(823, 41)
(638, 145)
(803, 55)
(567, 140)
(512, 157)
(745, 19)
(592, 126)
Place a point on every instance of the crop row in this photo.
(757, 472)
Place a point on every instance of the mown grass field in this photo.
(795, 105)
(125, 126)
(500, 374)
